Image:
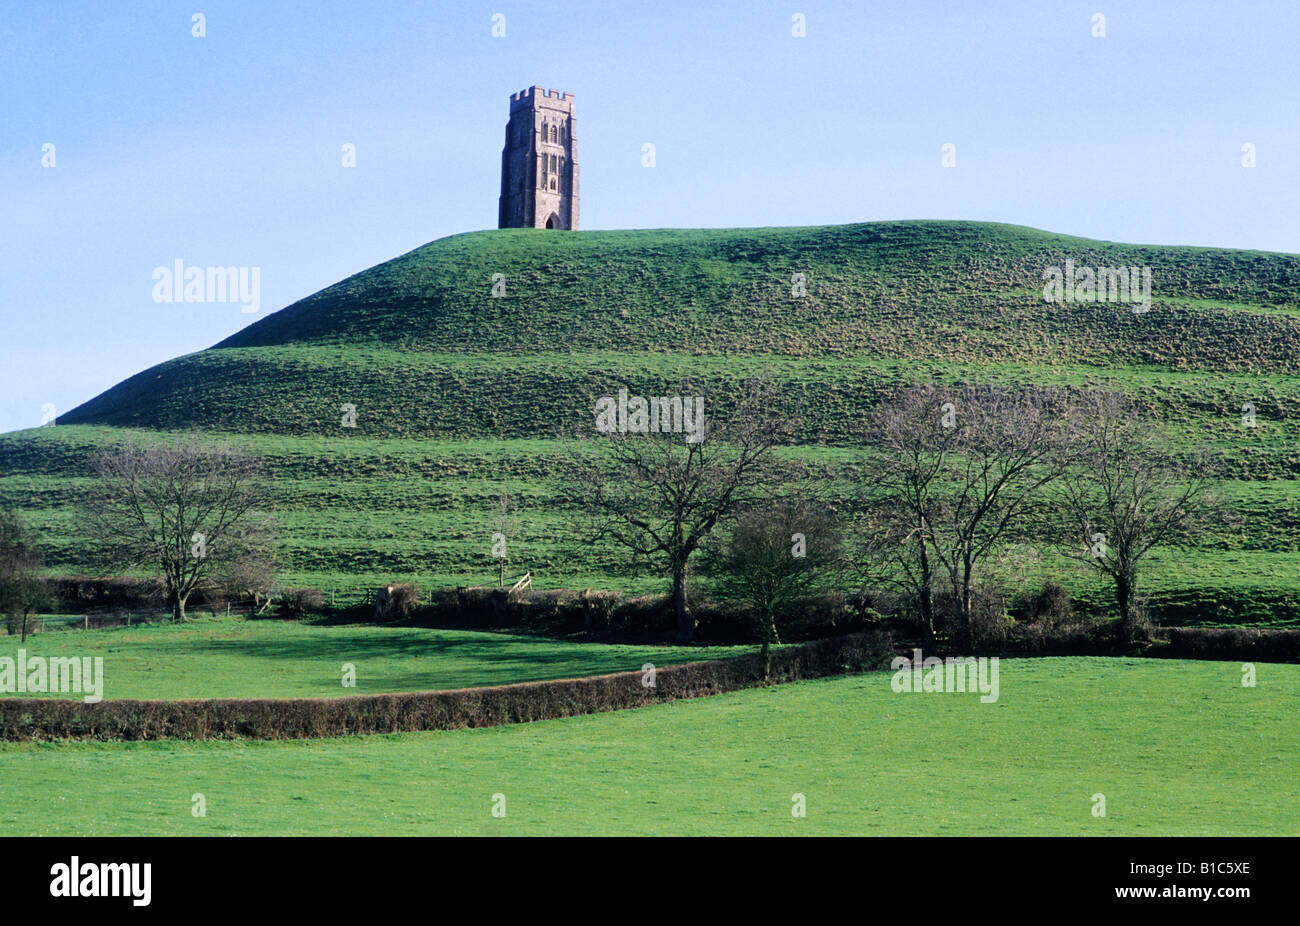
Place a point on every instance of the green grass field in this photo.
(1176, 748)
(231, 658)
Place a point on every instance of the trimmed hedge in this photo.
(1234, 643)
(1247, 644)
(56, 718)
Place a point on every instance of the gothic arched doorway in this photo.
(552, 221)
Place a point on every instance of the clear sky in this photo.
(226, 150)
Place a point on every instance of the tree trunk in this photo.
(685, 621)
(178, 610)
(967, 638)
(927, 598)
(1124, 599)
(769, 635)
(24, 629)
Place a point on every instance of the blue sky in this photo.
(226, 150)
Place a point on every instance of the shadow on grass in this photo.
(456, 655)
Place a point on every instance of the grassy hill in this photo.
(583, 311)
(459, 392)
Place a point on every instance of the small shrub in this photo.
(296, 602)
(1050, 605)
(598, 609)
(1075, 639)
(404, 598)
(722, 622)
(990, 625)
(1140, 626)
(989, 621)
(645, 614)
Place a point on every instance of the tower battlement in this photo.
(539, 164)
(532, 97)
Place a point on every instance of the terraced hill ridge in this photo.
(421, 346)
(459, 392)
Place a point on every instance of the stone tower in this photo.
(539, 173)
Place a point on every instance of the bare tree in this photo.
(888, 553)
(962, 468)
(1010, 446)
(251, 570)
(779, 555)
(660, 494)
(187, 510)
(916, 438)
(1122, 499)
(505, 525)
(22, 590)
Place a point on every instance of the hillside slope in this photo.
(459, 393)
(917, 292)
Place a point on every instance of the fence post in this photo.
(85, 622)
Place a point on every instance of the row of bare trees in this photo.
(952, 476)
(961, 473)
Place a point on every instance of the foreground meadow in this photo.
(1176, 747)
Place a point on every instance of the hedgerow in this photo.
(57, 719)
